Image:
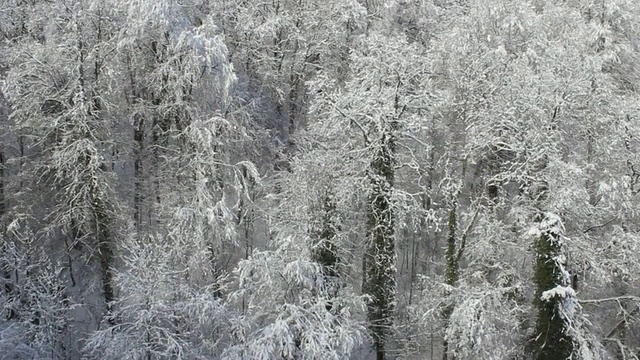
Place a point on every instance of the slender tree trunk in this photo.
(101, 216)
(380, 256)
(452, 273)
(4, 265)
(138, 137)
(2, 179)
(326, 250)
(105, 249)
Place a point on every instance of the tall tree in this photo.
(55, 89)
(297, 300)
(380, 110)
(554, 298)
(178, 93)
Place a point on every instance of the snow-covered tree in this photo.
(35, 306)
(379, 105)
(425, 144)
(54, 85)
(184, 212)
(554, 299)
(296, 299)
(281, 45)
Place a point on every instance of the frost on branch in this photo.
(288, 311)
(160, 314)
(559, 291)
(483, 323)
(552, 224)
(34, 315)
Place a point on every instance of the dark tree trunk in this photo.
(551, 340)
(379, 258)
(138, 137)
(326, 250)
(4, 264)
(105, 249)
(2, 199)
(451, 274)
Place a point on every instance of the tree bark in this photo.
(138, 137)
(326, 250)
(551, 340)
(5, 266)
(380, 255)
(451, 274)
(105, 249)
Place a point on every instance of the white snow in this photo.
(558, 291)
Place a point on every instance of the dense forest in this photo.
(320, 179)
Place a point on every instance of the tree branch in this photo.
(622, 322)
(617, 298)
(354, 121)
(599, 226)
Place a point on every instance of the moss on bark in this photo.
(551, 340)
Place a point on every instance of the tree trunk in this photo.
(138, 137)
(4, 265)
(451, 274)
(551, 340)
(2, 200)
(380, 255)
(326, 250)
(105, 250)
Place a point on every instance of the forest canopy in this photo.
(306, 179)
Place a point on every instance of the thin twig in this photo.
(599, 226)
(354, 121)
(622, 322)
